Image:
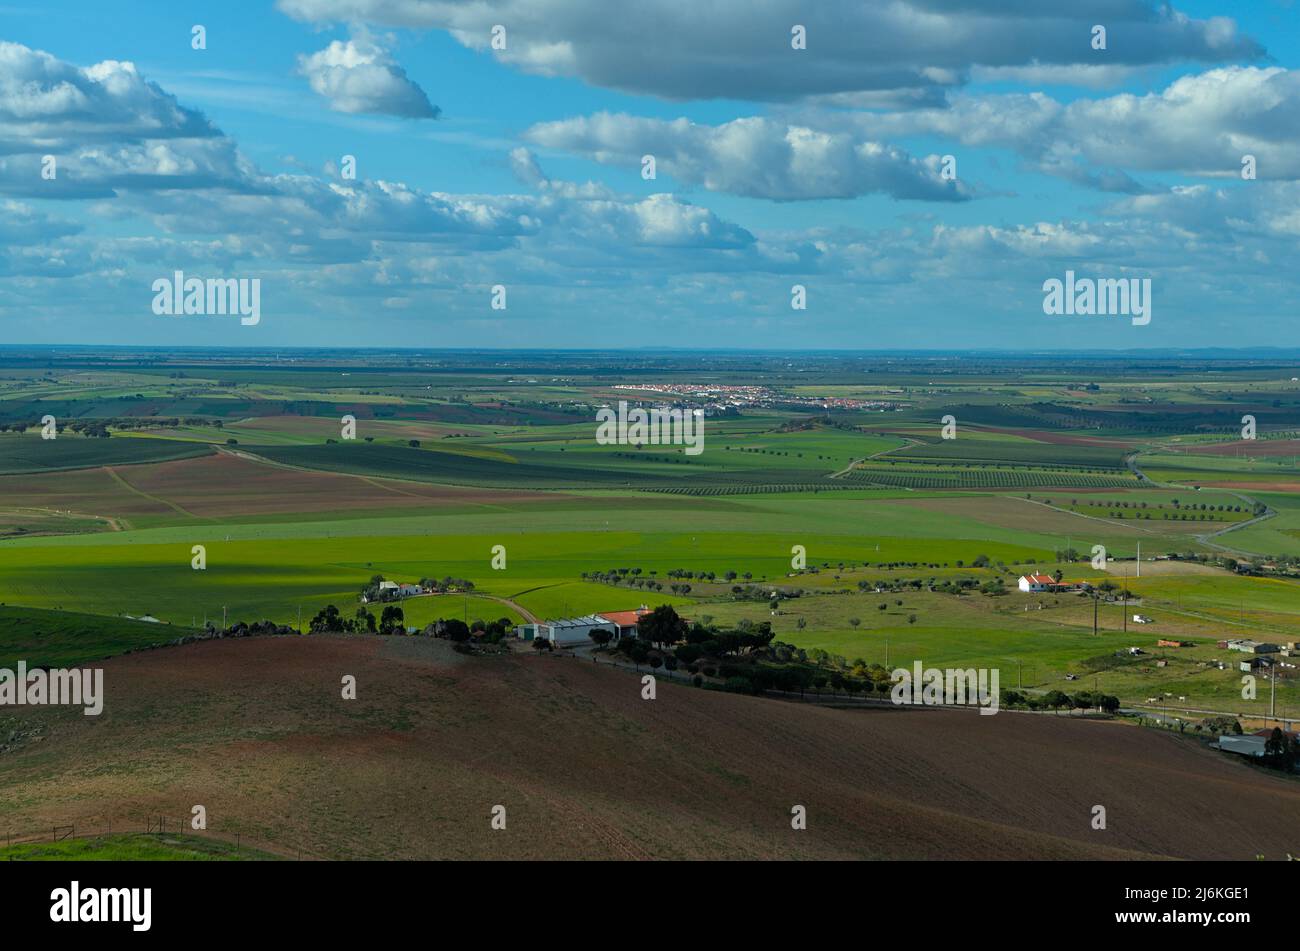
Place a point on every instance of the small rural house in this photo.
(625, 621)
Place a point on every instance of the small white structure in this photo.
(1141, 619)
(1036, 583)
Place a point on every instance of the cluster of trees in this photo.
(1286, 563)
(1114, 504)
(454, 629)
(96, 428)
(752, 592)
(633, 579)
(1281, 751)
(392, 621)
(746, 658)
(447, 585)
(1057, 700)
(99, 428)
(767, 452)
(329, 620)
(168, 422)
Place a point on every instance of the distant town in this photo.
(723, 397)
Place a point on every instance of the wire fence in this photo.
(151, 825)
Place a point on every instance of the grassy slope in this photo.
(61, 639)
(137, 847)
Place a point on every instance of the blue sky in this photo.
(775, 167)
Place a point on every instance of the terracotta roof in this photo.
(624, 618)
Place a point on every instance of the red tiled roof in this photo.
(623, 618)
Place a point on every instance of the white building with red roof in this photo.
(1037, 583)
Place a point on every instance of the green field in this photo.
(64, 639)
(137, 847)
(296, 519)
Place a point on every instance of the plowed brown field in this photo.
(256, 731)
(223, 484)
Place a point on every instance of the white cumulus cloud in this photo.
(358, 76)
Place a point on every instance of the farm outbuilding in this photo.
(1243, 745)
(570, 632)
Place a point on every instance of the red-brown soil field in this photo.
(256, 731)
(227, 483)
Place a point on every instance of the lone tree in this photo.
(392, 621)
(662, 626)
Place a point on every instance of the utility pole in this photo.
(1095, 599)
(223, 617)
(1272, 693)
(1020, 682)
(886, 653)
(1125, 609)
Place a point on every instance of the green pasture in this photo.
(133, 847)
(64, 639)
(1034, 648)
(267, 570)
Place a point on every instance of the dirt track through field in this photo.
(256, 731)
